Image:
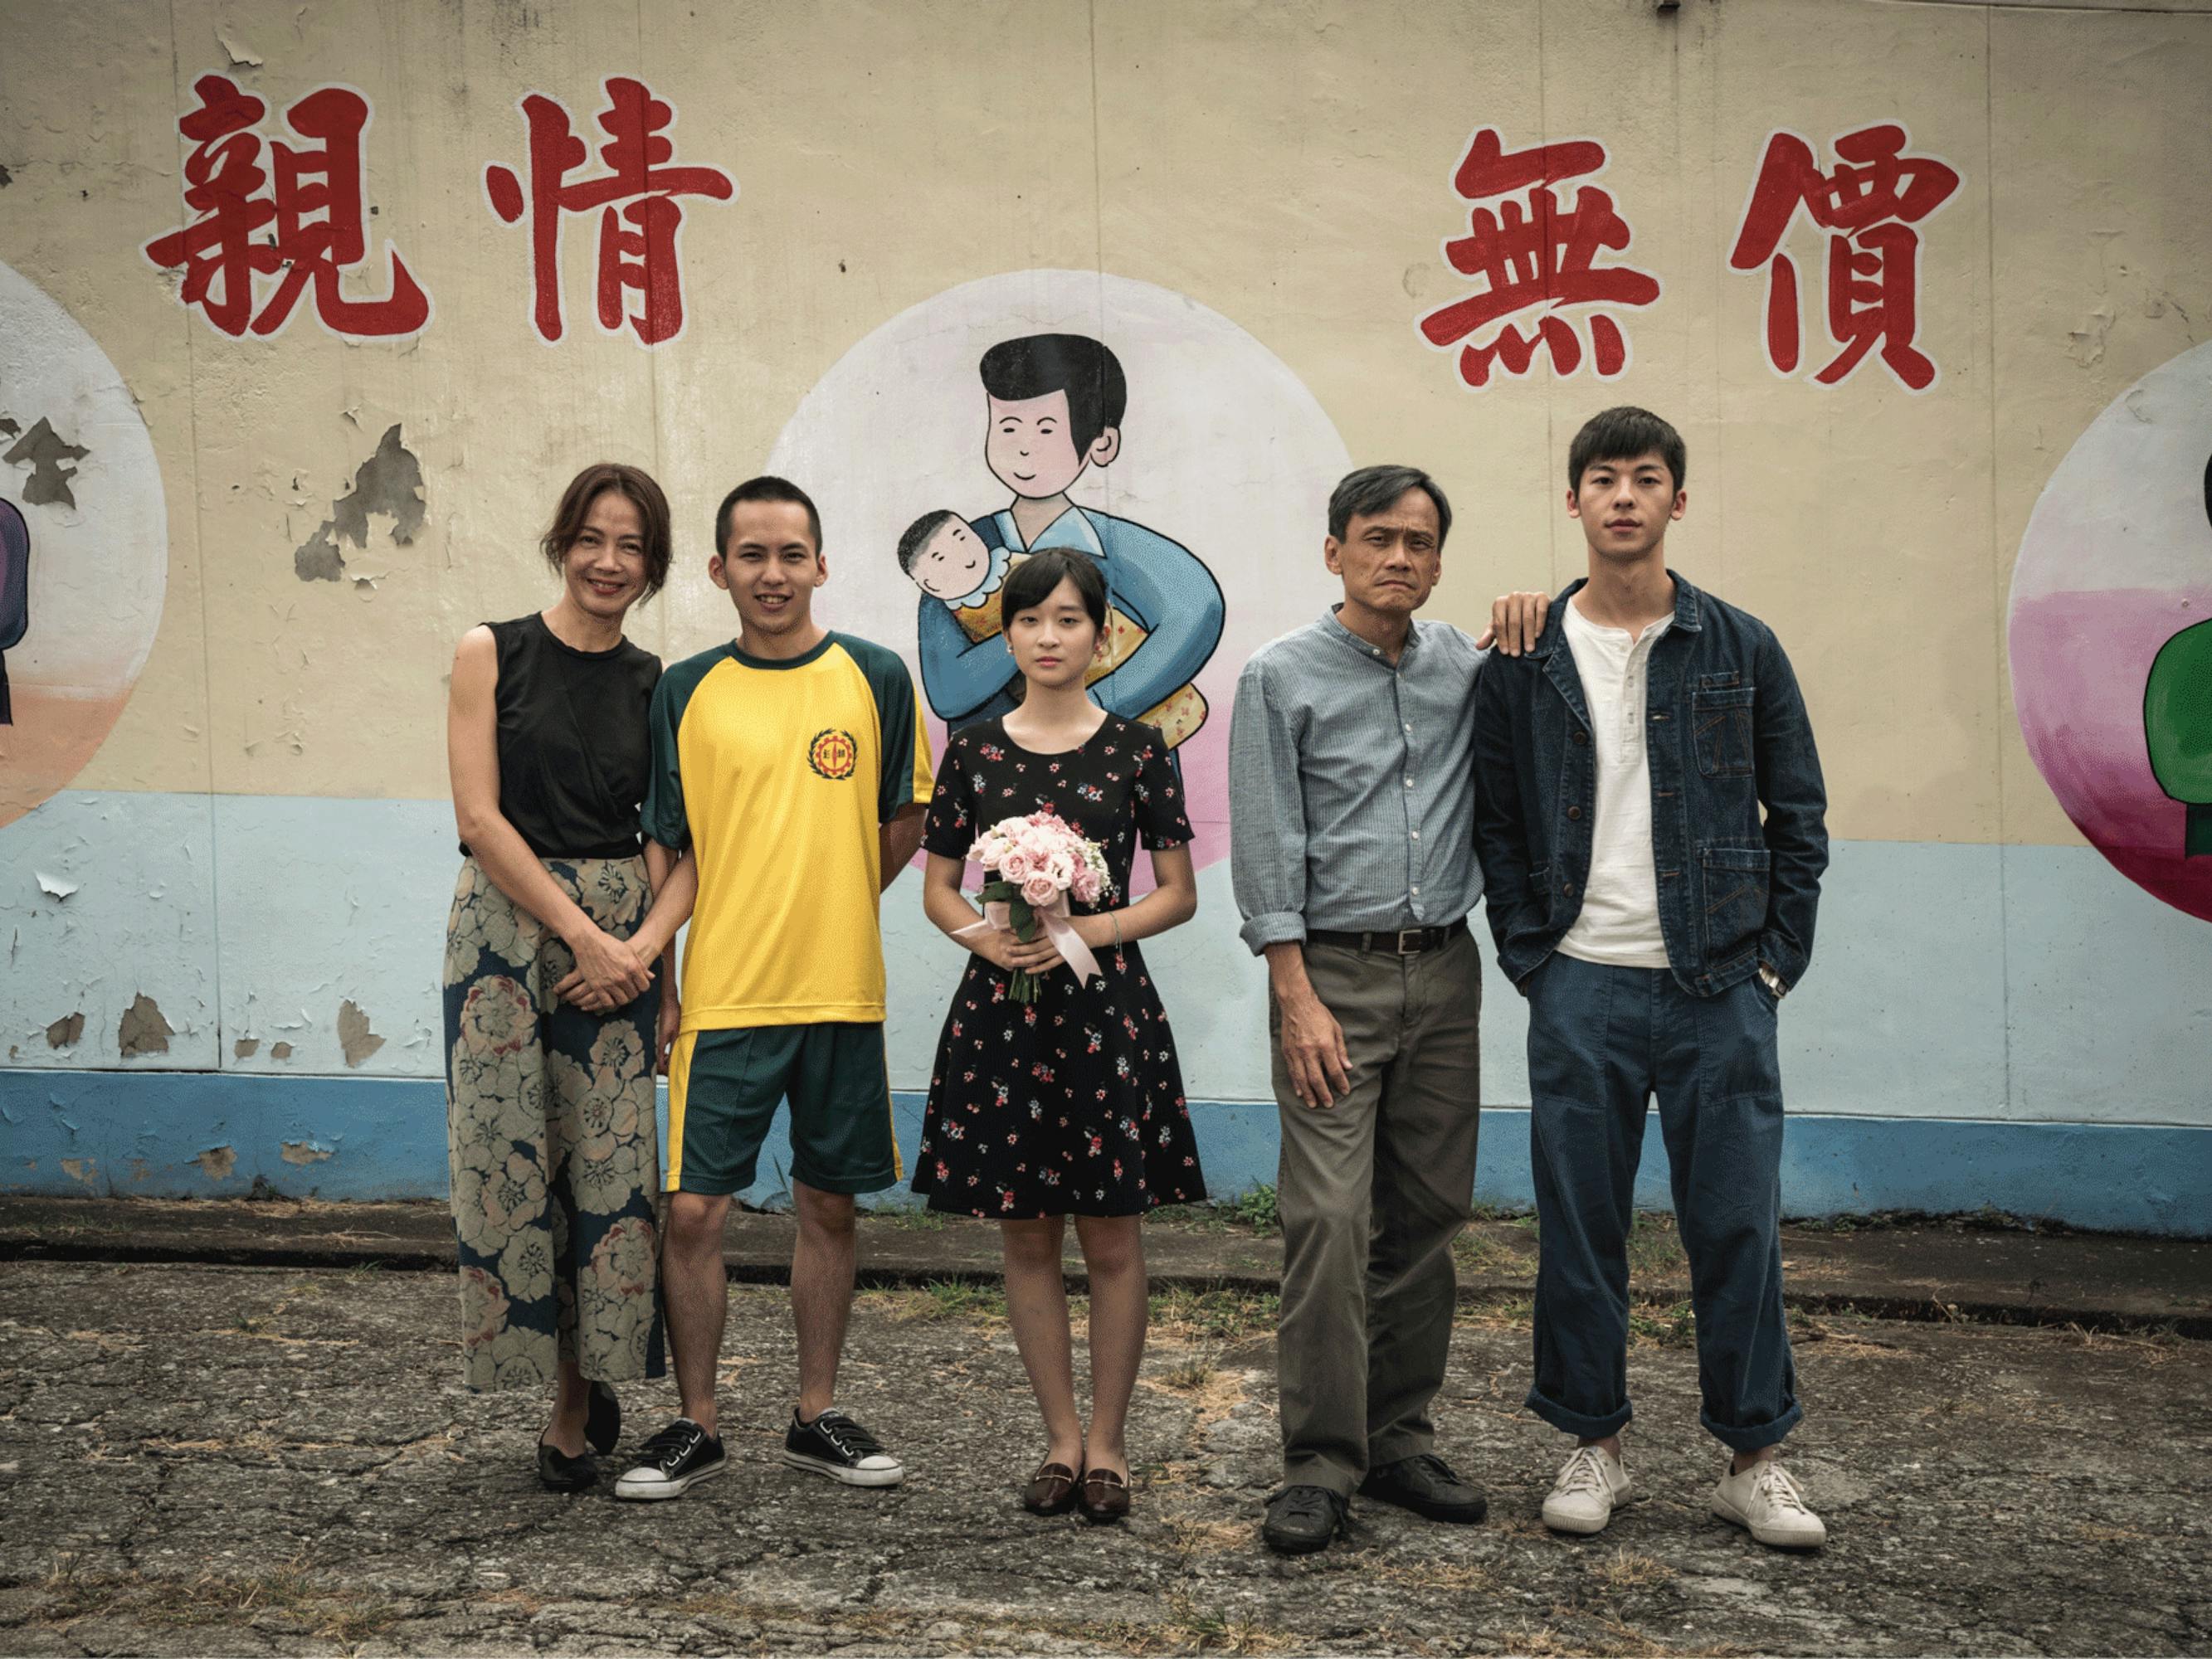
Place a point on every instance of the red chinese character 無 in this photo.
(315, 209)
(639, 254)
(1539, 255)
(1868, 206)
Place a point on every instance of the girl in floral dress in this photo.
(1071, 1105)
(553, 1018)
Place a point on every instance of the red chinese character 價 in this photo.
(1539, 255)
(1867, 205)
(315, 207)
(640, 215)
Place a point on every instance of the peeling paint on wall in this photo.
(244, 1049)
(43, 450)
(304, 1152)
(67, 1031)
(217, 1162)
(390, 483)
(143, 1031)
(280, 1051)
(353, 1035)
(80, 1168)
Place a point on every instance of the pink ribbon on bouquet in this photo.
(1057, 928)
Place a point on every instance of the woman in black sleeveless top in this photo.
(554, 1017)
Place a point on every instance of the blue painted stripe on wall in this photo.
(183, 1134)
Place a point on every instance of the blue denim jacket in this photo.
(1727, 736)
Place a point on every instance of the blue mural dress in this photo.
(1071, 1105)
(1158, 583)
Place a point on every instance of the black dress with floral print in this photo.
(1072, 1104)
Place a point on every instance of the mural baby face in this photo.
(770, 567)
(1390, 561)
(1054, 641)
(1625, 505)
(605, 567)
(1031, 450)
(952, 563)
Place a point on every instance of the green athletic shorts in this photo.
(724, 1087)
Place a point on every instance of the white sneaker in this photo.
(1592, 1484)
(1765, 1500)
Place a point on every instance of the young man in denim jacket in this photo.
(1648, 821)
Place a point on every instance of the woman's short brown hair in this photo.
(585, 487)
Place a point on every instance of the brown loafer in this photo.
(1104, 1496)
(1051, 1489)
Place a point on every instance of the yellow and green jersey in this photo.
(777, 776)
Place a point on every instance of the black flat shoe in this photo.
(558, 1471)
(603, 1419)
(1302, 1519)
(1428, 1486)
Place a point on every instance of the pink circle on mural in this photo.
(2111, 633)
(84, 545)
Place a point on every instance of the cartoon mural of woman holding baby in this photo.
(1055, 405)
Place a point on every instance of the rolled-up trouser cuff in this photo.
(1589, 1428)
(1759, 1436)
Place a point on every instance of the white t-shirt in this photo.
(1619, 924)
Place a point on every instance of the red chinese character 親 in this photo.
(302, 234)
(640, 215)
(1869, 206)
(1534, 254)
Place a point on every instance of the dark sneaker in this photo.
(675, 1460)
(1426, 1484)
(834, 1445)
(1303, 1519)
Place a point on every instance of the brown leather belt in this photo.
(1401, 942)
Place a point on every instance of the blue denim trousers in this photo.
(1601, 1042)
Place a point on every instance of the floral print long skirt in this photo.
(555, 1149)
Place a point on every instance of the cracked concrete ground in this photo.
(235, 1459)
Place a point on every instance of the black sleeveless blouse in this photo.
(575, 747)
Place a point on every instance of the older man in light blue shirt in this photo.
(1352, 855)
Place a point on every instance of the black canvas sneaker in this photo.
(834, 1445)
(675, 1460)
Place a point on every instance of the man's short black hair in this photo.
(1622, 434)
(765, 488)
(1374, 489)
(1038, 365)
(918, 534)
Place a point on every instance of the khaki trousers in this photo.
(1371, 1191)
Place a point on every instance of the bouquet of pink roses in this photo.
(1033, 866)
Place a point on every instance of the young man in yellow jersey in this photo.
(791, 762)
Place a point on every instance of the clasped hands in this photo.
(610, 973)
(1002, 948)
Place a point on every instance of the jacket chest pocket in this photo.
(1736, 879)
(1720, 719)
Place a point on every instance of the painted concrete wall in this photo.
(225, 850)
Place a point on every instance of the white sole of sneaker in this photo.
(1733, 1516)
(655, 1491)
(849, 1477)
(1577, 1528)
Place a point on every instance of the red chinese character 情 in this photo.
(1540, 256)
(640, 255)
(1868, 206)
(315, 207)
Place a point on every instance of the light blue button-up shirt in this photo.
(1352, 784)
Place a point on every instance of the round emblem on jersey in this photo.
(833, 754)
